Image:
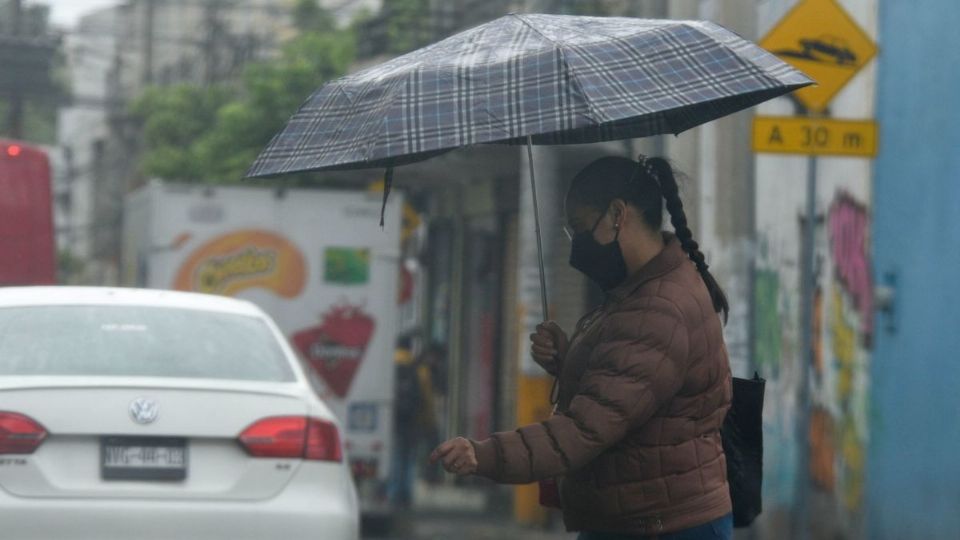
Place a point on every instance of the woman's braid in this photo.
(660, 171)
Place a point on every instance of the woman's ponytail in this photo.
(663, 172)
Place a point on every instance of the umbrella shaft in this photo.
(536, 218)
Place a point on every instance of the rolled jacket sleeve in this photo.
(638, 365)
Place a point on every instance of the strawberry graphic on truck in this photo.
(336, 347)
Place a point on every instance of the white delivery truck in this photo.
(318, 262)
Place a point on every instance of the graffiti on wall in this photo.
(842, 327)
(849, 241)
(838, 430)
(773, 347)
(767, 331)
(822, 449)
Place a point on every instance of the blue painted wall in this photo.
(913, 480)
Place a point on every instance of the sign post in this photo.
(820, 38)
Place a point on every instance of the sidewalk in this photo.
(438, 526)
(450, 512)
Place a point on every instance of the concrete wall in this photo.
(914, 471)
(816, 444)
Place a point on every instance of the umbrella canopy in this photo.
(544, 79)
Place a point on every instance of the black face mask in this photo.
(601, 263)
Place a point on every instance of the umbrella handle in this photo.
(536, 218)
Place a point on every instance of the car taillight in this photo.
(323, 441)
(19, 434)
(293, 437)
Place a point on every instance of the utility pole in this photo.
(148, 24)
(808, 288)
(211, 55)
(15, 113)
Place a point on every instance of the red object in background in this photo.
(26, 217)
(407, 284)
(364, 468)
(337, 346)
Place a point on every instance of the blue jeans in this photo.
(718, 529)
(403, 471)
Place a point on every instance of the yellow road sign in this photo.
(817, 136)
(819, 38)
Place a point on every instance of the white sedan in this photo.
(131, 413)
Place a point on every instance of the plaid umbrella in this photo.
(559, 79)
(535, 79)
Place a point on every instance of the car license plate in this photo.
(144, 458)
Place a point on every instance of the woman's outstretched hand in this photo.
(457, 455)
(549, 346)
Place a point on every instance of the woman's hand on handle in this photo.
(549, 346)
(458, 456)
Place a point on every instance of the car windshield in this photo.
(138, 341)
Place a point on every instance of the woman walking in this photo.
(644, 382)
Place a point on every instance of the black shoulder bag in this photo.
(742, 434)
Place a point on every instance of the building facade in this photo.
(113, 56)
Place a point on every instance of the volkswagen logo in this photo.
(144, 411)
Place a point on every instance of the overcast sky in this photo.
(66, 12)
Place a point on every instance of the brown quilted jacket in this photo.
(644, 388)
